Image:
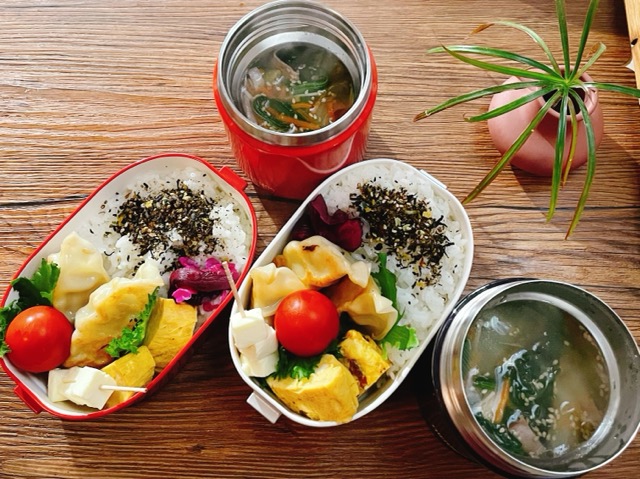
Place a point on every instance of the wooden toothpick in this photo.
(108, 387)
(232, 285)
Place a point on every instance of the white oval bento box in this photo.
(32, 388)
(262, 398)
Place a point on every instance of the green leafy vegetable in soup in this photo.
(297, 89)
(535, 378)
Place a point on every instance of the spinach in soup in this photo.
(535, 378)
(297, 89)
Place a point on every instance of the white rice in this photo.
(230, 224)
(421, 307)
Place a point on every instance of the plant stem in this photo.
(517, 144)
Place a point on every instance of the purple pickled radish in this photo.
(338, 227)
(198, 280)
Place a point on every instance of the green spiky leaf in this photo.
(558, 84)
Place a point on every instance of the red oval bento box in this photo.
(32, 388)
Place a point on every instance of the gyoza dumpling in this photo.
(366, 306)
(271, 284)
(319, 263)
(111, 308)
(81, 272)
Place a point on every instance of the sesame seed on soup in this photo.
(535, 378)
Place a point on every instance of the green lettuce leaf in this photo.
(296, 367)
(131, 338)
(386, 280)
(6, 315)
(290, 366)
(401, 336)
(38, 290)
(34, 291)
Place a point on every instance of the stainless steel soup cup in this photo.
(448, 410)
(286, 23)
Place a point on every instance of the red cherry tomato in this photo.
(306, 322)
(39, 339)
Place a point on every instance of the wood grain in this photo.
(632, 8)
(88, 86)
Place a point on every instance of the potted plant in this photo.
(560, 88)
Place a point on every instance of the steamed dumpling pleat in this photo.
(359, 273)
(366, 306)
(271, 284)
(111, 308)
(319, 263)
(81, 272)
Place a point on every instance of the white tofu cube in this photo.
(260, 368)
(59, 381)
(264, 347)
(87, 388)
(249, 328)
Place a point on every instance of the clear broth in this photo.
(535, 378)
(296, 89)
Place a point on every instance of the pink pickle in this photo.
(211, 263)
(210, 305)
(182, 294)
(188, 262)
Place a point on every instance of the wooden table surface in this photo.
(89, 86)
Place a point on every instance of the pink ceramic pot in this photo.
(537, 154)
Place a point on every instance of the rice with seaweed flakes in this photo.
(182, 213)
(422, 296)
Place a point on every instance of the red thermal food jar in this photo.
(291, 165)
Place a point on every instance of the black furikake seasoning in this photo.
(153, 221)
(404, 224)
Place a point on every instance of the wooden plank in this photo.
(632, 8)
